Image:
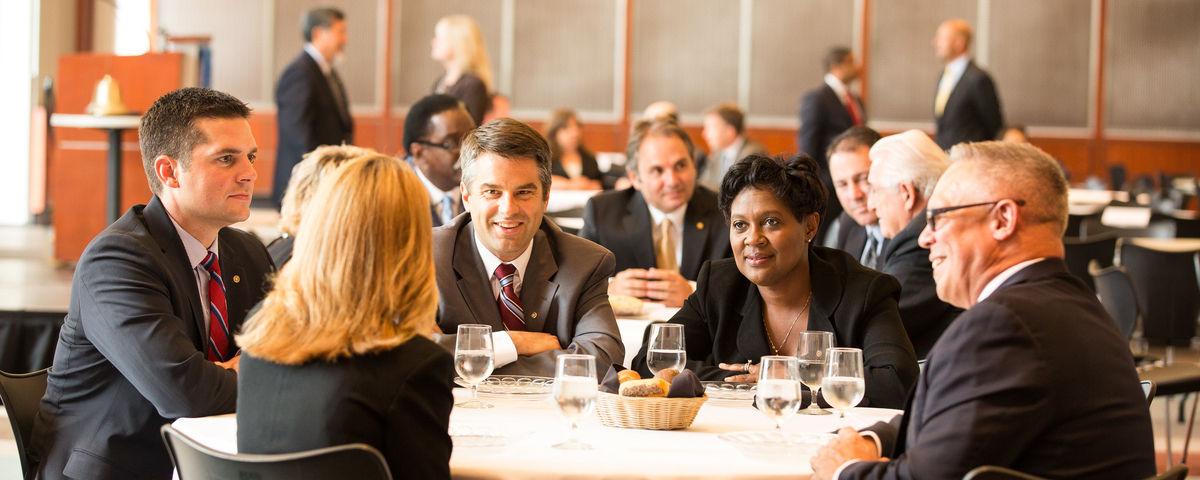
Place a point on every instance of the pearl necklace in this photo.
(789, 332)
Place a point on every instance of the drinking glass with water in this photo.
(474, 359)
(778, 394)
(667, 348)
(844, 383)
(811, 351)
(575, 391)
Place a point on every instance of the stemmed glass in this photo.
(474, 359)
(667, 349)
(575, 392)
(811, 351)
(778, 394)
(844, 382)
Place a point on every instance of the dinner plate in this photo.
(778, 446)
(484, 437)
(516, 387)
(730, 394)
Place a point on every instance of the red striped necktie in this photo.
(218, 330)
(509, 303)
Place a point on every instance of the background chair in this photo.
(1149, 388)
(1167, 291)
(989, 472)
(22, 395)
(1118, 296)
(1080, 252)
(194, 461)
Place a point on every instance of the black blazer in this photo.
(851, 237)
(131, 355)
(281, 250)
(972, 112)
(1035, 378)
(308, 117)
(925, 315)
(591, 169)
(397, 401)
(620, 221)
(823, 117)
(724, 324)
(473, 93)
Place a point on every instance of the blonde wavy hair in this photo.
(470, 51)
(362, 278)
(306, 177)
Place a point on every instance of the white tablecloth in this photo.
(695, 452)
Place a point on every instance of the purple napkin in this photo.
(686, 385)
(611, 384)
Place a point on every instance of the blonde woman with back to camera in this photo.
(339, 351)
(306, 177)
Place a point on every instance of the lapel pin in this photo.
(237, 279)
(534, 314)
(699, 225)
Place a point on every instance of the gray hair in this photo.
(1029, 174)
(909, 157)
(321, 17)
(663, 127)
(508, 138)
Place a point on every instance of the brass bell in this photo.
(107, 99)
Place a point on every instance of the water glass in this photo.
(778, 394)
(667, 348)
(844, 383)
(474, 359)
(812, 350)
(575, 391)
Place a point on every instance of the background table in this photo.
(114, 124)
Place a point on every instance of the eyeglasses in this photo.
(931, 215)
(451, 145)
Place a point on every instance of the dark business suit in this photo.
(972, 113)
(1035, 378)
(851, 237)
(620, 221)
(925, 315)
(591, 170)
(281, 250)
(823, 117)
(724, 322)
(473, 93)
(397, 401)
(308, 117)
(564, 293)
(132, 353)
(712, 171)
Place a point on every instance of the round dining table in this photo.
(531, 427)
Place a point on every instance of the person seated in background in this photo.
(574, 167)
(665, 227)
(778, 283)
(433, 131)
(904, 171)
(339, 352)
(500, 107)
(725, 133)
(858, 228)
(1014, 132)
(458, 45)
(306, 177)
(661, 109)
(1035, 375)
(544, 292)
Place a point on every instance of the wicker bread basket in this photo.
(655, 413)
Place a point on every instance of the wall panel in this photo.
(237, 41)
(1039, 55)
(413, 72)
(686, 52)
(904, 70)
(359, 68)
(1153, 64)
(564, 54)
(786, 61)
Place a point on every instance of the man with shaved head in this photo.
(966, 107)
(1034, 376)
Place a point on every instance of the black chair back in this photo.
(992, 472)
(1118, 296)
(1167, 292)
(1080, 252)
(1117, 172)
(1178, 472)
(22, 396)
(194, 461)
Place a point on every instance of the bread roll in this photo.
(627, 375)
(652, 387)
(667, 374)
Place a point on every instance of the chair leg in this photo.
(1182, 404)
(1167, 404)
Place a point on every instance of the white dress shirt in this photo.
(839, 88)
(505, 352)
(656, 218)
(326, 68)
(196, 253)
(436, 194)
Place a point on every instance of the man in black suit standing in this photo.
(1035, 375)
(966, 107)
(156, 300)
(849, 165)
(433, 131)
(826, 112)
(313, 108)
(665, 227)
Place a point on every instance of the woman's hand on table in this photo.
(849, 445)
(749, 372)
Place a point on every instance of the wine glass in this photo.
(778, 394)
(575, 392)
(844, 382)
(474, 359)
(811, 350)
(667, 349)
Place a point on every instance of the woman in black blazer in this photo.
(458, 45)
(778, 284)
(339, 351)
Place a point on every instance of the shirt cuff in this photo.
(504, 351)
(838, 473)
(874, 436)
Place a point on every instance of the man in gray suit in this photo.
(544, 292)
(725, 133)
(156, 299)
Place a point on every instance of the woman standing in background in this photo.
(458, 46)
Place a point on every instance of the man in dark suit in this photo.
(904, 171)
(433, 131)
(313, 107)
(1034, 376)
(849, 165)
(544, 292)
(156, 300)
(826, 112)
(966, 107)
(725, 133)
(664, 198)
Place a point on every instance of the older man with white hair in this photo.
(904, 170)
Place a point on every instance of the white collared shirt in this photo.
(838, 87)
(503, 349)
(196, 253)
(956, 68)
(991, 286)
(436, 194)
(656, 219)
(322, 62)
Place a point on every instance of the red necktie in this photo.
(854, 116)
(510, 305)
(218, 329)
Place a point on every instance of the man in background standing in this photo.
(725, 133)
(966, 107)
(826, 112)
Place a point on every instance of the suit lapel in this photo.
(826, 295)
(842, 113)
(537, 291)
(326, 91)
(158, 222)
(695, 237)
(637, 219)
(752, 334)
(474, 285)
(237, 294)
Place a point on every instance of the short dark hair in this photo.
(852, 138)
(169, 126)
(416, 122)
(659, 126)
(730, 114)
(322, 17)
(796, 181)
(506, 138)
(835, 56)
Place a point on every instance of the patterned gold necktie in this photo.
(664, 252)
(943, 93)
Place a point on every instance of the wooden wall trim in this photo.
(85, 19)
